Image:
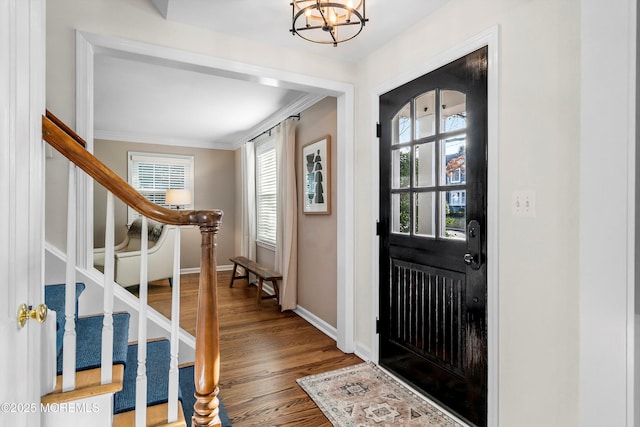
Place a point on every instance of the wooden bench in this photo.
(261, 272)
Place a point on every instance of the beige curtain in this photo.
(248, 201)
(286, 260)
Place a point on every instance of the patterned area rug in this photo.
(364, 395)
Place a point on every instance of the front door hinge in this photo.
(378, 230)
(377, 325)
(378, 130)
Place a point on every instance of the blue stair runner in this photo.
(158, 363)
(89, 343)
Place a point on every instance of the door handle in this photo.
(25, 313)
(469, 258)
(473, 257)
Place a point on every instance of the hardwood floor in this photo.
(263, 352)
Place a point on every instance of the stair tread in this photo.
(89, 341)
(156, 417)
(158, 363)
(87, 385)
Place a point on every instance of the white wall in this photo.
(538, 142)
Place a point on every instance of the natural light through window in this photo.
(153, 174)
(266, 192)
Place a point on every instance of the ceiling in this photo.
(150, 102)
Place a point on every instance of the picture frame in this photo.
(316, 177)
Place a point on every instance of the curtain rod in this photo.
(294, 116)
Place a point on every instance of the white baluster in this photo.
(141, 379)
(106, 371)
(69, 340)
(174, 382)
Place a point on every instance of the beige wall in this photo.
(214, 181)
(317, 265)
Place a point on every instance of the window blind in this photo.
(266, 192)
(153, 174)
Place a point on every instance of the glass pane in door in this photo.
(454, 207)
(401, 125)
(400, 212)
(424, 212)
(401, 168)
(425, 165)
(453, 106)
(426, 114)
(453, 160)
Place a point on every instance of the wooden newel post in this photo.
(207, 367)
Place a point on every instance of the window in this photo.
(153, 174)
(266, 192)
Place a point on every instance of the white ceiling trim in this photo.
(158, 139)
(294, 108)
(171, 57)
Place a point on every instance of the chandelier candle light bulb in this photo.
(322, 18)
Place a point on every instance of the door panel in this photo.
(432, 242)
(426, 312)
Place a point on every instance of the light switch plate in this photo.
(523, 204)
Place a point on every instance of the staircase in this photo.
(104, 376)
(125, 364)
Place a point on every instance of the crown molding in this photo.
(294, 108)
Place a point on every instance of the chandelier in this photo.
(327, 21)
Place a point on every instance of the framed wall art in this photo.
(316, 171)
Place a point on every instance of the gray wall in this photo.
(214, 181)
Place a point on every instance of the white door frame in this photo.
(491, 39)
(608, 239)
(22, 90)
(87, 44)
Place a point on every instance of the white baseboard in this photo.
(194, 270)
(320, 324)
(363, 352)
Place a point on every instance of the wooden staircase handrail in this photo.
(66, 129)
(69, 146)
(207, 364)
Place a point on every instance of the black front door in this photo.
(433, 187)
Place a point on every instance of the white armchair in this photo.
(127, 255)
